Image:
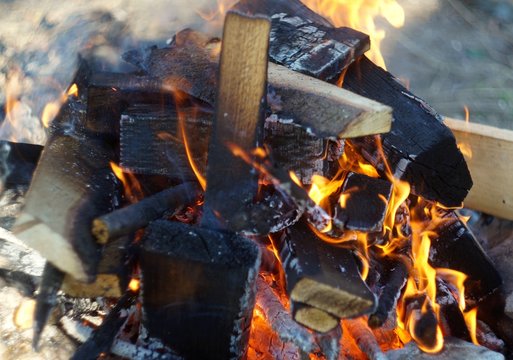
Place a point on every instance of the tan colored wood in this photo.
(239, 114)
(315, 319)
(491, 166)
(326, 108)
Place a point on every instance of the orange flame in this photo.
(471, 321)
(361, 15)
(131, 186)
(464, 146)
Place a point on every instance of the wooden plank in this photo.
(336, 110)
(231, 182)
(490, 163)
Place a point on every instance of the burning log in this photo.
(330, 342)
(321, 275)
(102, 338)
(74, 179)
(488, 155)
(152, 139)
(394, 281)
(364, 338)
(422, 321)
(112, 275)
(451, 318)
(281, 321)
(189, 65)
(455, 238)
(365, 203)
(194, 278)
(419, 149)
(127, 220)
(314, 318)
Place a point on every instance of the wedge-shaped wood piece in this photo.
(322, 275)
(231, 182)
(327, 109)
(314, 318)
(190, 64)
(73, 184)
(489, 155)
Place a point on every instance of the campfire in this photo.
(271, 194)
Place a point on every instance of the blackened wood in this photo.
(108, 94)
(280, 319)
(127, 220)
(293, 148)
(152, 140)
(112, 275)
(313, 318)
(20, 162)
(393, 280)
(190, 64)
(312, 49)
(198, 289)
(365, 202)
(452, 321)
(231, 182)
(73, 180)
(420, 148)
(454, 239)
(322, 275)
(271, 7)
(102, 338)
(425, 323)
(46, 300)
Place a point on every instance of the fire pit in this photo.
(269, 194)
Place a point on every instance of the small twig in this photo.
(364, 338)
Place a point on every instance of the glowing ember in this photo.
(361, 15)
(134, 285)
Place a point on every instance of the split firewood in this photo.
(419, 149)
(231, 182)
(163, 140)
(194, 278)
(102, 338)
(455, 238)
(314, 318)
(322, 275)
(51, 281)
(488, 152)
(112, 276)
(75, 181)
(281, 321)
(394, 280)
(127, 220)
(363, 203)
(325, 109)
(364, 338)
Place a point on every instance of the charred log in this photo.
(322, 275)
(19, 164)
(194, 279)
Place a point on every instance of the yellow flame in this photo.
(471, 321)
(50, 111)
(134, 285)
(131, 186)
(73, 90)
(361, 15)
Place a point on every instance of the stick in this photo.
(489, 155)
(364, 338)
(126, 220)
